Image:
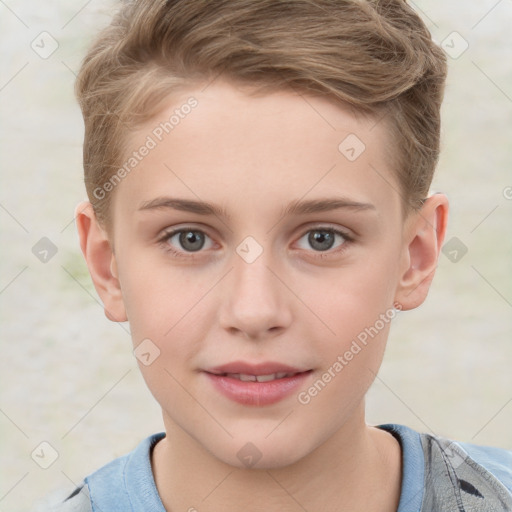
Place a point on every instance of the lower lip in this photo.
(257, 393)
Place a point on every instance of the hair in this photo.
(375, 56)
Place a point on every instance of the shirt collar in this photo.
(413, 466)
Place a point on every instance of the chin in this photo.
(261, 453)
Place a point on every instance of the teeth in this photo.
(258, 378)
(266, 378)
(246, 378)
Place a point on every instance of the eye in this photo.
(188, 240)
(323, 239)
(184, 242)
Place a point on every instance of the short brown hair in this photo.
(375, 55)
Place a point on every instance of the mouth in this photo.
(245, 377)
(257, 384)
(255, 369)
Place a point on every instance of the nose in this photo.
(255, 302)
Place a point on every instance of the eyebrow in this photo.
(296, 207)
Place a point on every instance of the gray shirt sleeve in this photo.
(63, 501)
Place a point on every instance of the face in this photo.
(289, 273)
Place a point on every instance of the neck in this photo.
(358, 468)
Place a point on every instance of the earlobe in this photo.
(425, 237)
(98, 254)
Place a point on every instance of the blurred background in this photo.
(71, 397)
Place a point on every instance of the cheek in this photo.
(170, 313)
(355, 306)
(164, 312)
(160, 298)
(360, 317)
(349, 300)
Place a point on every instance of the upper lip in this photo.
(265, 368)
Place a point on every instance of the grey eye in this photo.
(190, 240)
(322, 239)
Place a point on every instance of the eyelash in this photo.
(320, 254)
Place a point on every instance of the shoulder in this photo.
(63, 501)
(457, 474)
(119, 485)
(496, 460)
(492, 463)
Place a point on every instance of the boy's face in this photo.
(257, 285)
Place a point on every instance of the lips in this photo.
(266, 368)
(256, 384)
(258, 378)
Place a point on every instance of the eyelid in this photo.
(346, 233)
(166, 232)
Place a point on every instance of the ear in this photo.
(425, 233)
(100, 258)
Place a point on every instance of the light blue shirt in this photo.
(438, 475)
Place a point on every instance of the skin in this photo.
(295, 304)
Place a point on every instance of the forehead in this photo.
(221, 142)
